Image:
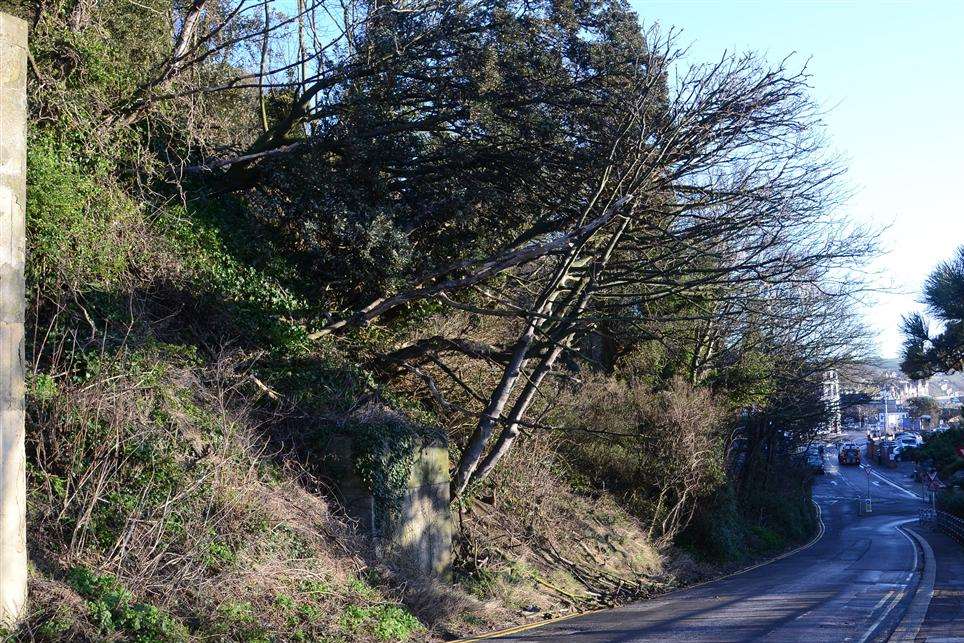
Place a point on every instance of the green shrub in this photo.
(952, 502)
(766, 540)
(941, 449)
(57, 624)
(113, 608)
(83, 230)
(718, 532)
(385, 622)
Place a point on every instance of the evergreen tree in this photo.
(925, 355)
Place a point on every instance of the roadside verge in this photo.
(821, 528)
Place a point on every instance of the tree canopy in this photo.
(926, 354)
(923, 405)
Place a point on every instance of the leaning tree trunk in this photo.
(13, 142)
(542, 308)
(560, 341)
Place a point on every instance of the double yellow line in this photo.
(527, 626)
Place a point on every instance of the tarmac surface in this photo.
(862, 580)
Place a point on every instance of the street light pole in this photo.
(13, 145)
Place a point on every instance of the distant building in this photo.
(831, 400)
(892, 419)
(900, 389)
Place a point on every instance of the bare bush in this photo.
(527, 537)
(659, 451)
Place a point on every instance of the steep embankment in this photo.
(179, 393)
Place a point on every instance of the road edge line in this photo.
(531, 626)
(913, 618)
(904, 595)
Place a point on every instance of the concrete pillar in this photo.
(422, 534)
(13, 172)
(416, 534)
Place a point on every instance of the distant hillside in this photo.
(888, 363)
(953, 382)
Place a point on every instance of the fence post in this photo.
(13, 147)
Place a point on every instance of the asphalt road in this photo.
(856, 583)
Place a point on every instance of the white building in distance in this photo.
(831, 400)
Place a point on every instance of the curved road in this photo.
(853, 584)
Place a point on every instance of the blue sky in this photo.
(891, 75)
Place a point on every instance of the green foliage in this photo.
(152, 475)
(749, 382)
(924, 405)
(385, 451)
(111, 55)
(385, 622)
(729, 529)
(479, 581)
(941, 449)
(81, 226)
(234, 259)
(56, 625)
(327, 381)
(135, 443)
(114, 609)
(718, 531)
(42, 387)
(315, 588)
(925, 355)
(237, 620)
(220, 556)
(766, 540)
(385, 460)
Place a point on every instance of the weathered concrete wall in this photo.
(423, 533)
(13, 146)
(419, 535)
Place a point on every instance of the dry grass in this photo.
(530, 545)
(155, 470)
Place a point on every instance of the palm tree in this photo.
(924, 355)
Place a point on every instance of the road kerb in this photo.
(531, 626)
(913, 618)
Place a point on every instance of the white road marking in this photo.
(913, 618)
(882, 601)
(899, 595)
(895, 485)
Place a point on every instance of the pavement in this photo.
(862, 580)
(944, 620)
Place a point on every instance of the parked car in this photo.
(910, 439)
(886, 450)
(905, 444)
(815, 459)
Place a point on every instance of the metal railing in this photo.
(950, 525)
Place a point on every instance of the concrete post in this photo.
(13, 483)
(420, 535)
